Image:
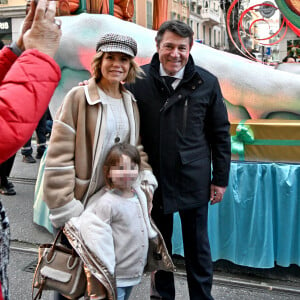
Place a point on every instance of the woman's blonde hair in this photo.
(134, 70)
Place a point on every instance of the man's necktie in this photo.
(169, 80)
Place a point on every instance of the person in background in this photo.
(184, 129)
(25, 67)
(89, 122)
(6, 187)
(289, 59)
(40, 130)
(49, 123)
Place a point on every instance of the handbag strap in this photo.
(39, 292)
(51, 252)
(49, 256)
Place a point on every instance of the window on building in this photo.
(178, 17)
(191, 24)
(215, 37)
(149, 15)
(204, 37)
(3, 1)
(197, 31)
(209, 33)
(215, 6)
(173, 15)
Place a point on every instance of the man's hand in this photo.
(45, 32)
(216, 193)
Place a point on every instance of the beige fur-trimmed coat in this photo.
(75, 147)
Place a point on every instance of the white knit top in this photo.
(130, 236)
(117, 127)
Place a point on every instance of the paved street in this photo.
(26, 236)
(20, 283)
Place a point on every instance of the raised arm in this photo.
(28, 81)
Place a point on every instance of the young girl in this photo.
(115, 227)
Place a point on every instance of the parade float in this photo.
(258, 222)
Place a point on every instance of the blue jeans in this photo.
(124, 292)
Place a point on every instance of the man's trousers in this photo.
(197, 254)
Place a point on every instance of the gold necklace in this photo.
(107, 97)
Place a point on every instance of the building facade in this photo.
(207, 22)
(204, 16)
(178, 10)
(12, 14)
(143, 13)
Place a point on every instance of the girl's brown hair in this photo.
(114, 155)
(134, 70)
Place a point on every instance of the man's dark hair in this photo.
(177, 27)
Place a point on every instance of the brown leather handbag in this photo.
(59, 268)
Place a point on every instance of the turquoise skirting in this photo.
(258, 222)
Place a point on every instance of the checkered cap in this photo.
(112, 42)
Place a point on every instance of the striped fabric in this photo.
(4, 251)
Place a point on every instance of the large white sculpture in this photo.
(251, 90)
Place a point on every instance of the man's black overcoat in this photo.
(183, 132)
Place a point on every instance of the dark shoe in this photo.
(28, 159)
(39, 155)
(8, 189)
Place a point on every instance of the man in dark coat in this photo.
(185, 130)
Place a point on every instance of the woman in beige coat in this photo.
(90, 120)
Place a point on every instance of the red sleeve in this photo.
(25, 93)
(7, 58)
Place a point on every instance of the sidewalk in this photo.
(230, 282)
